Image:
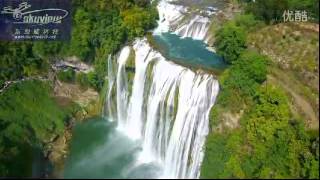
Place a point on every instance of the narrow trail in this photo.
(300, 102)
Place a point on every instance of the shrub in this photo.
(67, 75)
(230, 42)
(83, 80)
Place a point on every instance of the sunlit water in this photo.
(98, 150)
(188, 51)
(158, 129)
(147, 137)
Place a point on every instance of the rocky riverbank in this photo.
(85, 104)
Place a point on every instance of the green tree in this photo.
(269, 143)
(137, 20)
(80, 41)
(253, 65)
(241, 81)
(48, 49)
(83, 80)
(68, 75)
(230, 42)
(28, 118)
(248, 22)
(270, 11)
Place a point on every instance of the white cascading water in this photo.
(111, 79)
(144, 56)
(197, 28)
(122, 88)
(168, 110)
(172, 19)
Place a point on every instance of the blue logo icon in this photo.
(35, 20)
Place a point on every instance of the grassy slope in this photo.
(293, 49)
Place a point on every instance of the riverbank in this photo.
(59, 103)
(89, 106)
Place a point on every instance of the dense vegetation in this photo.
(241, 81)
(230, 42)
(17, 60)
(29, 116)
(271, 11)
(269, 141)
(99, 28)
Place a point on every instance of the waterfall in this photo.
(178, 20)
(167, 111)
(164, 106)
(197, 28)
(122, 88)
(111, 79)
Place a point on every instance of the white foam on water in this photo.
(172, 19)
(173, 124)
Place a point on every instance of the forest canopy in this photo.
(269, 140)
(99, 28)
